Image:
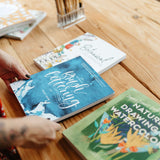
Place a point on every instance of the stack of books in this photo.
(60, 92)
(70, 81)
(16, 21)
(98, 53)
(127, 127)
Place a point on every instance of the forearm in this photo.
(3, 58)
(5, 64)
(29, 131)
(12, 132)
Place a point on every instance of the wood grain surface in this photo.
(131, 26)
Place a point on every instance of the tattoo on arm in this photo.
(3, 140)
(12, 135)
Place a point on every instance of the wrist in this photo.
(12, 132)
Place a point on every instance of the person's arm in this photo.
(30, 131)
(10, 69)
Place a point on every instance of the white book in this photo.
(23, 32)
(13, 16)
(99, 54)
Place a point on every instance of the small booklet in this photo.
(126, 128)
(23, 32)
(62, 91)
(97, 52)
(13, 16)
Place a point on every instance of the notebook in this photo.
(13, 16)
(97, 52)
(23, 32)
(62, 91)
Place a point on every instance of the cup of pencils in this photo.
(69, 12)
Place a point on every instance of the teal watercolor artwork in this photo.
(62, 91)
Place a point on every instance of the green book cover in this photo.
(126, 128)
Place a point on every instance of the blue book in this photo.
(62, 91)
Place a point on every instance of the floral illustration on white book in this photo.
(99, 54)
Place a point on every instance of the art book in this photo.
(126, 128)
(23, 32)
(13, 16)
(98, 53)
(62, 91)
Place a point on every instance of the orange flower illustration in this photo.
(133, 142)
(106, 121)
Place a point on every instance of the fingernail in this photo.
(27, 76)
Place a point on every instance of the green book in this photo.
(126, 128)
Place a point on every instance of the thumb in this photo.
(57, 126)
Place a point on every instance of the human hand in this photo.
(31, 131)
(11, 70)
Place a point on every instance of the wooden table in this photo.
(131, 26)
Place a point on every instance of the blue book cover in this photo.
(62, 91)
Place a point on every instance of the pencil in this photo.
(80, 3)
(58, 6)
(67, 6)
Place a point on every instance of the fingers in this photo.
(21, 71)
(10, 64)
(52, 129)
(57, 127)
(39, 131)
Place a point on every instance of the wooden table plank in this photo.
(139, 70)
(139, 26)
(31, 47)
(148, 8)
(140, 56)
